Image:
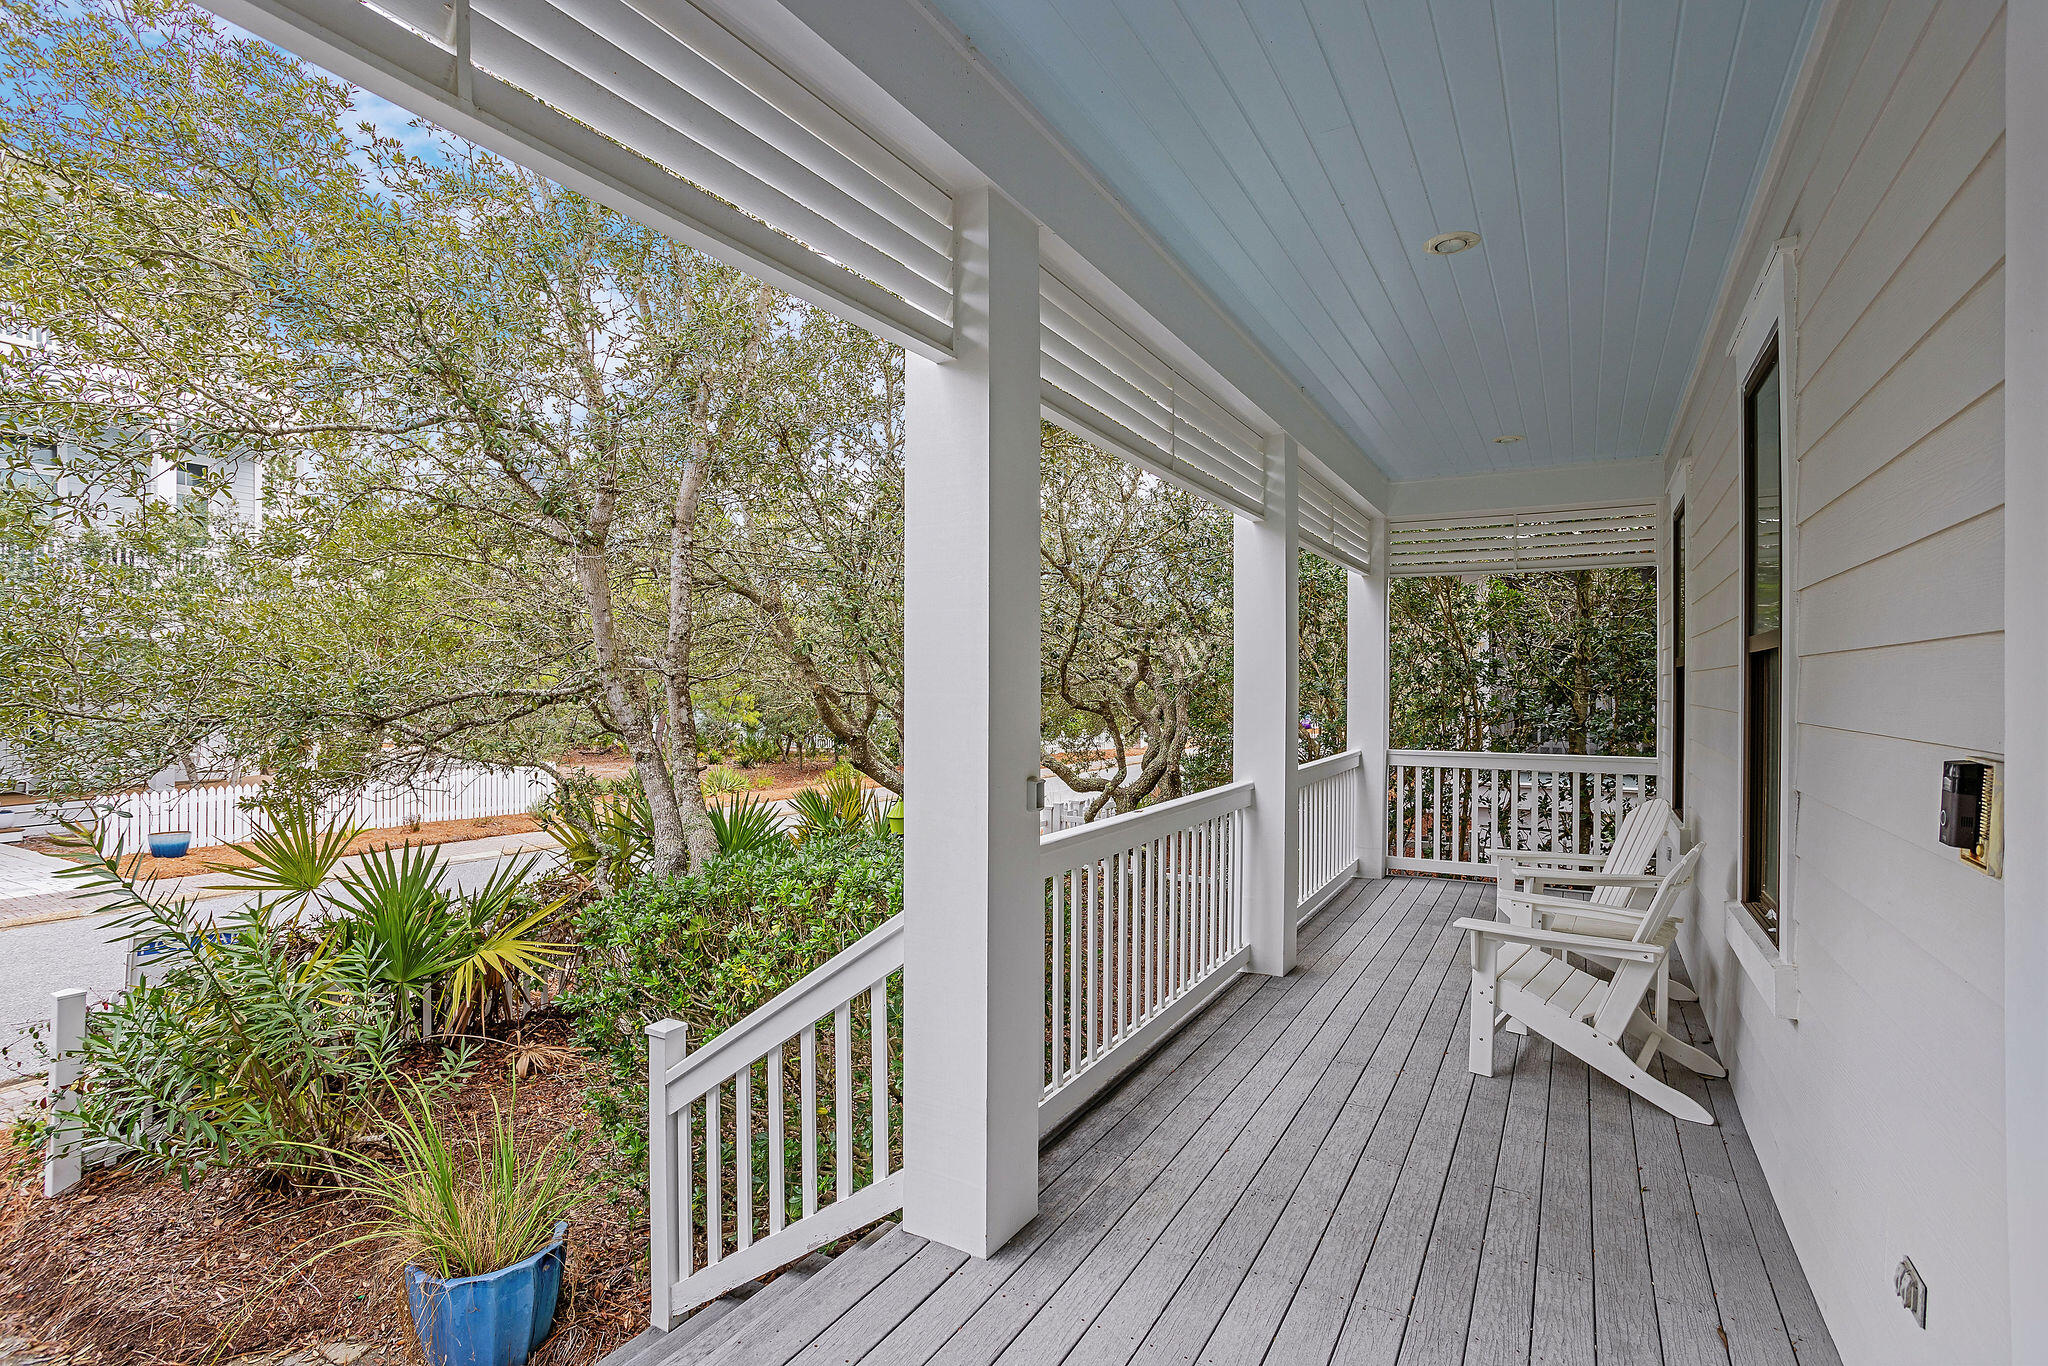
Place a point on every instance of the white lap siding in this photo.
(1878, 1114)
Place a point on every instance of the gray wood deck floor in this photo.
(1308, 1173)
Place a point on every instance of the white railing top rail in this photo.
(838, 979)
(1329, 764)
(1084, 843)
(1555, 763)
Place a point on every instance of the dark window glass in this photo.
(1678, 659)
(1763, 617)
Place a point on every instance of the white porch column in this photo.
(1365, 704)
(973, 953)
(1266, 709)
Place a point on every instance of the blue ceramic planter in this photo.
(170, 844)
(491, 1320)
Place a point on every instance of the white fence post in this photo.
(668, 1042)
(64, 1162)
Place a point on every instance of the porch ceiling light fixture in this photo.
(1450, 243)
(1507, 440)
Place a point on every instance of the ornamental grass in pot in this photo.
(479, 1230)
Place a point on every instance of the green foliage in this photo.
(452, 1215)
(602, 824)
(1324, 590)
(711, 947)
(746, 825)
(1512, 662)
(720, 781)
(245, 1050)
(839, 805)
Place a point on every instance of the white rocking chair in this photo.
(1519, 974)
(1620, 879)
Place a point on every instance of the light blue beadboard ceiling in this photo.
(1296, 154)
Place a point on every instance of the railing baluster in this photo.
(743, 1153)
(842, 1098)
(878, 1071)
(807, 1061)
(778, 1137)
(1056, 970)
(714, 1180)
(1074, 1040)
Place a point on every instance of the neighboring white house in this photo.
(1767, 282)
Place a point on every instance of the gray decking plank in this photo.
(776, 1338)
(1274, 1230)
(1756, 1328)
(1688, 1318)
(1335, 1273)
(1504, 1294)
(1115, 1171)
(1364, 901)
(1624, 1303)
(883, 1307)
(1441, 1317)
(1561, 1330)
(1811, 1341)
(1163, 1229)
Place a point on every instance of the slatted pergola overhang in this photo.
(1588, 537)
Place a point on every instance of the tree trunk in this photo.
(698, 834)
(625, 702)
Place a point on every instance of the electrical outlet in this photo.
(1912, 1290)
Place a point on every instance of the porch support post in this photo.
(1365, 704)
(974, 968)
(1267, 709)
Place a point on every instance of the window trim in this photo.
(1767, 321)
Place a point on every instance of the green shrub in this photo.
(709, 948)
(722, 782)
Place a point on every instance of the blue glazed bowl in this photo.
(497, 1319)
(171, 844)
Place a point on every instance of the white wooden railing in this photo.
(719, 1128)
(1327, 807)
(1448, 810)
(217, 812)
(1144, 921)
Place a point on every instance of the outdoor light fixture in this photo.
(1450, 243)
(1507, 440)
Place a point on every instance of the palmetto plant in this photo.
(840, 804)
(748, 823)
(603, 825)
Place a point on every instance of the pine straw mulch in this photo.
(214, 857)
(131, 1269)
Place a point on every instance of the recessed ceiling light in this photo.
(1450, 243)
(1507, 440)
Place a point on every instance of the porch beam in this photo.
(1365, 703)
(1266, 701)
(973, 949)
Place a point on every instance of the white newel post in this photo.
(974, 970)
(669, 1227)
(1365, 705)
(1266, 713)
(64, 1162)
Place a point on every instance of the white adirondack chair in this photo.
(1620, 879)
(1519, 973)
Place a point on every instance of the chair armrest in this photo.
(1587, 944)
(1566, 877)
(1573, 906)
(1532, 857)
(1625, 919)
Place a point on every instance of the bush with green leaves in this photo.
(711, 947)
(837, 806)
(603, 825)
(266, 1034)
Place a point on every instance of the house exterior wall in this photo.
(1878, 1112)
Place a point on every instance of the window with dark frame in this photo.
(1678, 658)
(1763, 622)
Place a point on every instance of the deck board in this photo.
(1308, 1173)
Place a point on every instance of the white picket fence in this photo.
(219, 814)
